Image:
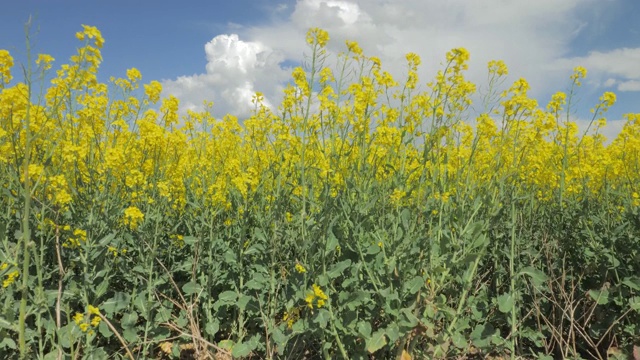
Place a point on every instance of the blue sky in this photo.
(226, 50)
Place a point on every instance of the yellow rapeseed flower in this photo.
(319, 36)
(133, 217)
(6, 63)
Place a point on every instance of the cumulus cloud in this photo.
(533, 37)
(618, 67)
(235, 71)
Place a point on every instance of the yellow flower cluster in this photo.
(291, 316)
(316, 295)
(300, 269)
(10, 277)
(85, 321)
(133, 217)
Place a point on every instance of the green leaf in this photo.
(632, 282)
(163, 315)
(212, 328)
(104, 330)
(332, 242)
(404, 217)
(376, 342)
(226, 344)
(228, 296)
(537, 277)
(118, 302)
(129, 319)
(130, 334)
(505, 303)
(634, 303)
(279, 337)
(242, 302)
(106, 240)
(189, 240)
(356, 299)
(241, 350)
(322, 318)
(4, 324)
(337, 269)
(102, 288)
(254, 249)
(257, 282)
(191, 288)
(8, 342)
(364, 329)
(373, 249)
(140, 302)
(459, 341)
(414, 285)
(408, 319)
(481, 335)
(393, 332)
(601, 297)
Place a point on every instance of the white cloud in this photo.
(631, 85)
(235, 70)
(616, 67)
(532, 37)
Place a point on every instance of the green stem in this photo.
(512, 285)
(26, 230)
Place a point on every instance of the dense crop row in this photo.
(363, 217)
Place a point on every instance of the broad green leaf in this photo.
(130, 334)
(632, 282)
(414, 285)
(4, 324)
(163, 314)
(104, 330)
(106, 240)
(601, 297)
(118, 302)
(254, 249)
(189, 240)
(481, 335)
(129, 319)
(140, 302)
(102, 288)
(8, 343)
(393, 332)
(228, 296)
(408, 319)
(241, 350)
(190, 288)
(364, 329)
(279, 337)
(376, 342)
(255, 283)
(226, 344)
(332, 242)
(404, 217)
(322, 318)
(505, 303)
(634, 303)
(537, 277)
(337, 269)
(212, 328)
(459, 341)
(373, 249)
(243, 300)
